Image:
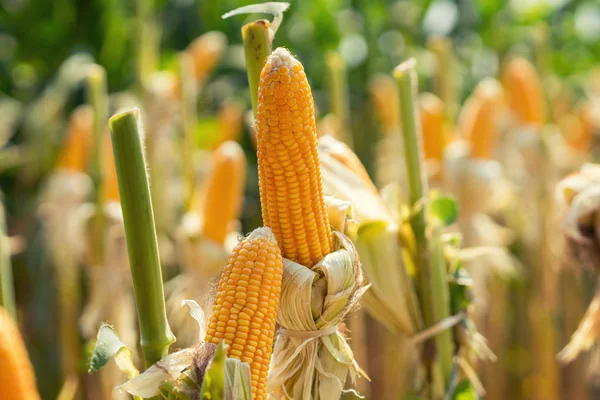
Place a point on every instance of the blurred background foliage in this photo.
(37, 36)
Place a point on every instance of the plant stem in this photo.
(148, 35)
(445, 85)
(413, 147)
(142, 245)
(432, 271)
(7, 291)
(339, 95)
(98, 99)
(257, 47)
(189, 98)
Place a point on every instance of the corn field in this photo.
(317, 200)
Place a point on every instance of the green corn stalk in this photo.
(142, 245)
(431, 266)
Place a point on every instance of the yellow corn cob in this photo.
(291, 192)
(225, 190)
(477, 120)
(384, 94)
(76, 149)
(111, 186)
(231, 116)
(524, 92)
(206, 52)
(432, 125)
(246, 304)
(17, 379)
(572, 129)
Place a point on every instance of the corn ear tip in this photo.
(264, 232)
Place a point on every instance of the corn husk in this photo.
(201, 371)
(392, 298)
(311, 358)
(113, 277)
(202, 260)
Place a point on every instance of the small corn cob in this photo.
(291, 192)
(478, 122)
(17, 379)
(225, 190)
(75, 152)
(524, 92)
(384, 94)
(111, 186)
(206, 52)
(246, 304)
(231, 116)
(432, 125)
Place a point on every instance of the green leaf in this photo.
(108, 345)
(213, 385)
(444, 210)
(464, 391)
(461, 295)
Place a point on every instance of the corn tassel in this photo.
(478, 119)
(17, 379)
(291, 192)
(524, 92)
(245, 308)
(432, 124)
(225, 190)
(77, 146)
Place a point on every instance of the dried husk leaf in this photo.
(202, 260)
(392, 299)
(317, 299)
(587, 333)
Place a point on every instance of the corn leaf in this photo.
(443, 210)
(108, 345)
(213, 385)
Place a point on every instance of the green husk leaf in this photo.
(108, 345)
(464, 391)
(213, 385)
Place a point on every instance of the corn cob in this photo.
(384, 94)
(432, 125)
(231, 116)
(206, 52)
(17, 379)
(524, 92)
(478, 122)
(246, 304)
(75, 152)
(111, 186)
(225, 190)
(573, 131)
(291, 192)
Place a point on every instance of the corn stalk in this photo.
(142, 245)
